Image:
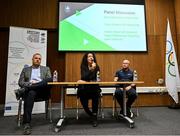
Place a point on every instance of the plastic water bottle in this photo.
(98, 76)
(55, 76)
(135, 77)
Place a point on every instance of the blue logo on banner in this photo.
(8, 108)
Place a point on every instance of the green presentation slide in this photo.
(101, 27)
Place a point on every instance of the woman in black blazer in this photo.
(89, 71)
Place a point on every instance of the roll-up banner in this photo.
(23, 43)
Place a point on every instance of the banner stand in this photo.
(23, 43)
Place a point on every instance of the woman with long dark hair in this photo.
(89, 71)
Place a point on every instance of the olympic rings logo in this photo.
(170, 61)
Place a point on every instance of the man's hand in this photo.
(128, 88)
(115, 79)
(81, 81)
(34, 81)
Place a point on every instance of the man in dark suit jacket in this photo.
(33, 80)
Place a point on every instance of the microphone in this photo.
(92, 64)
(92, 61)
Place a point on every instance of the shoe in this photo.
(19, 93)
(132, 115)
(121, 112)
(27, 129)
(94, 120)
(95, 123)
(129, 113)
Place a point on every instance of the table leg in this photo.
(131, 122)
(61, 120)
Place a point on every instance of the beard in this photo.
(125, 69)
(36, 64)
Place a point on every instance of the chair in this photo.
(100, 111)
(48, 107)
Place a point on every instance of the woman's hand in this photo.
(92, 67)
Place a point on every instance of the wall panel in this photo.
(29, 13)
(4, 40)
(157, 12)
(177, 16)
(56, 61)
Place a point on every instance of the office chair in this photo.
(114, 110)
(48, 108)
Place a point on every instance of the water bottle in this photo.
(135, 77)
(55, 76)
(98, 76)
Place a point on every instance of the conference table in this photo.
(64, 85)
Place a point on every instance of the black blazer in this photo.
(88, 75)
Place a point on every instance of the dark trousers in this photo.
(131, 94)
(85, 97)
(37, 91)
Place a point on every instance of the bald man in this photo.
(125, 74)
